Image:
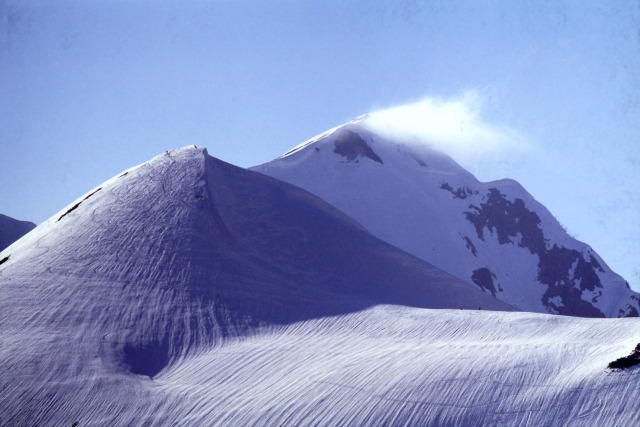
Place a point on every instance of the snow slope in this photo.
(12, 229)
(494, 235)
(116, 307)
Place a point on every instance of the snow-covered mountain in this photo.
(119, 304)
(187, 291)
(12, 229)
(494, 235)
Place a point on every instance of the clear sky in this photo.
(90, 88)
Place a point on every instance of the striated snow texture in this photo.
(189, 291)
(392, 365)
(12, 229)
(493, 235)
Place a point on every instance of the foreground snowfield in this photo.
(399, 366)
(187, 291)
(386, 365)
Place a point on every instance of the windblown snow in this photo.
(187, 291)
(493, 235)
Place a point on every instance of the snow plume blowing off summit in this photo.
(454, 126)
(395, 172)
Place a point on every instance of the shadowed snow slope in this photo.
(493, 235)
(12, 229)
(115, 310)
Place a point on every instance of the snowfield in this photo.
(187, 291)
(392, 365)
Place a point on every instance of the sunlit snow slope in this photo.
(494, 235)
(12, 229)
(177, 290)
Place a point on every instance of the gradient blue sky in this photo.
(89, 88)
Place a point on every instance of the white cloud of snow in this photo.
(454, 126)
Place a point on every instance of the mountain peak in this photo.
(356, 143)
(493, 235)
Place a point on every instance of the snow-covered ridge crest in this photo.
(494, 235)
(312, 140)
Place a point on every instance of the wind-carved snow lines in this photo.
(184, 181)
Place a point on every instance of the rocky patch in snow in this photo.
(626, 362)
(484, 278)
(351, 146)
(566, 272)
(458, 193)
(74, 207)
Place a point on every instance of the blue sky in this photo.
(90, 88)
